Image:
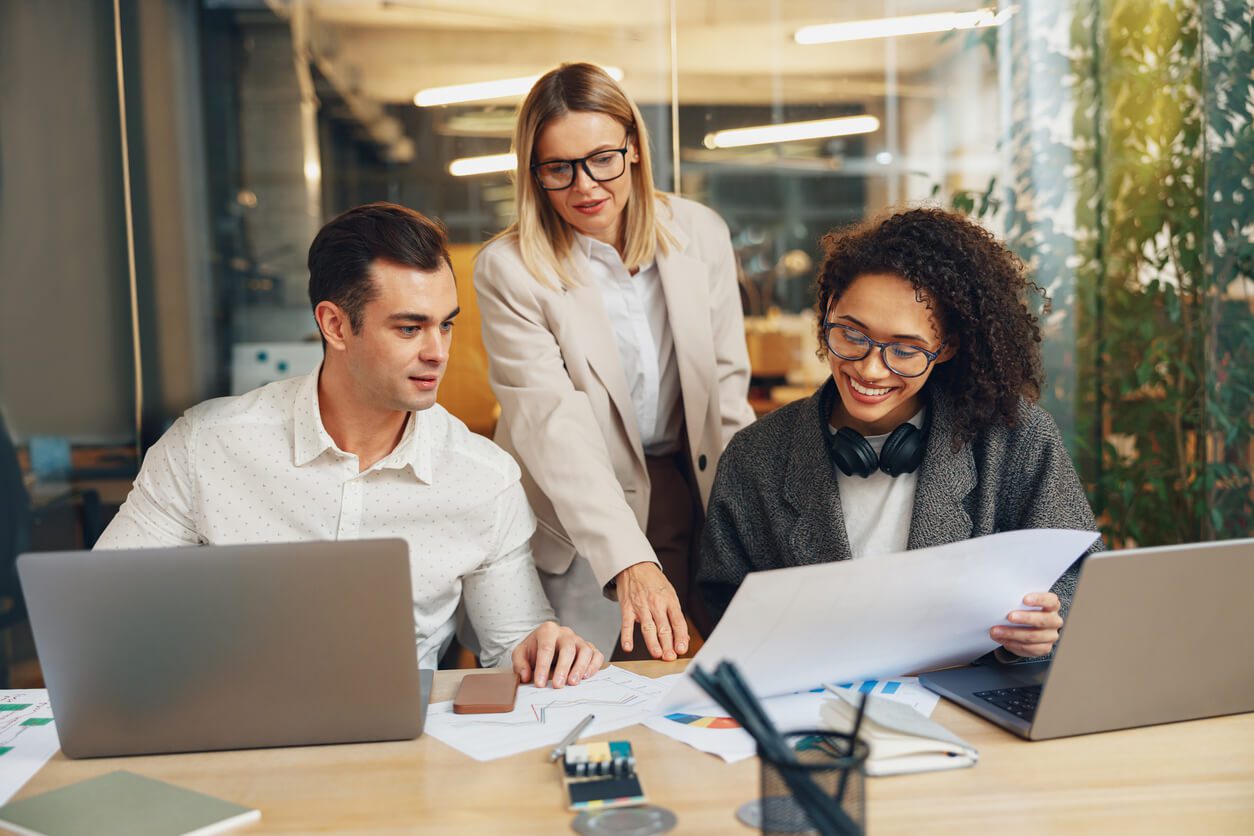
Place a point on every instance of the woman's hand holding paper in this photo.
(1037, 629)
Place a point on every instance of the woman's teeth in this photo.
(865, 390)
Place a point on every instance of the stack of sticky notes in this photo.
(601, 775)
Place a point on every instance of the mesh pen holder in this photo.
(824, 758)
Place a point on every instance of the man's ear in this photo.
(333, 323)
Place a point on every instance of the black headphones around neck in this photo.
(902, 452)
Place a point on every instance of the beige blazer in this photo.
(566, 413)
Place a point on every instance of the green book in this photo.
(123, 804)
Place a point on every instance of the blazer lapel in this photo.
(687, 293)
(596, 337)
(945, 479)
(810, 487)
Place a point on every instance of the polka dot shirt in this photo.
(261, 468)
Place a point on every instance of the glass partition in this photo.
(1108, 143)
(1103, 141)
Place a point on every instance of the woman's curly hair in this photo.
(977, 290)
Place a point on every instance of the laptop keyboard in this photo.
(1020, 702)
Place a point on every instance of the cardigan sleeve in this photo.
(723, 561)
(1049, 493)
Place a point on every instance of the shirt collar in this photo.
(310, 438)
(595, 250)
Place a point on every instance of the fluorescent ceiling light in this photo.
(499, 89)
(887, 27)
(790, 131)
(491, 164)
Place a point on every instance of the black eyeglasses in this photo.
(555, 175)
(901, 359)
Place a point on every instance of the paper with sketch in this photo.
(28, 738)
(543, 716)
(789, 629)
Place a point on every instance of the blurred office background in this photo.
(164, 165)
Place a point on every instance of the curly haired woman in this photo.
(928, 431)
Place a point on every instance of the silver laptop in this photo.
(226, 647)
(1154, 636)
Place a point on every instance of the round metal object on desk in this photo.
(784, 810)
(625, 821)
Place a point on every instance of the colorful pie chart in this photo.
(704, 722)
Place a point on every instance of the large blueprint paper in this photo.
(789, 629)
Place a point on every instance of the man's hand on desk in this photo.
(645, 595)
(555, 654)
(1039, 630)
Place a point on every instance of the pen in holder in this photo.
(822, 757)
(823, 810)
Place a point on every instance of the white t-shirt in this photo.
(878, 508)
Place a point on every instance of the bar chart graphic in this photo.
(872, 686)
(903, 689)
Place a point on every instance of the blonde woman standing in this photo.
(615, 337)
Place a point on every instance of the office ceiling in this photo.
(730, 51)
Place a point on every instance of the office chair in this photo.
(15, 523)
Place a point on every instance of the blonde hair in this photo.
(544, 239)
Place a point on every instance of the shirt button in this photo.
(701, 462)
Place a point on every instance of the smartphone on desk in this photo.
(486, 693)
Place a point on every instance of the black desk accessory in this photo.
(824, 813)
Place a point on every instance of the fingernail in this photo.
(574, 679)
(560, 681)
(683, 648)
(998, 632)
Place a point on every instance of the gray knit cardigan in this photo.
(776, 501)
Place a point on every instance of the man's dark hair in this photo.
(977, 290)
(341, 254)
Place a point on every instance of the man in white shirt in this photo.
(360, 449)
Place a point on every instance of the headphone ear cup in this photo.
(852, 453)
(903, 450)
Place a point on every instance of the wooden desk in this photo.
(1193, 777)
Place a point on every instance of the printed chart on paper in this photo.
(28, 738)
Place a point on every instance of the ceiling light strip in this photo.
(888, 27)
(490, 164)
(480, 91)
(792, 131)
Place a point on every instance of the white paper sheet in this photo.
(543, 716)
(28, 738)
(707, 728)
(788, 629)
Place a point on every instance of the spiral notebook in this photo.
(900, 739)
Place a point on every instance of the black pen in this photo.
(560, 748)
